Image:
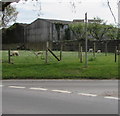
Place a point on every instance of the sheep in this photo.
(98, 51)
(38, 53)
(14, 53)
(117, 51)
(90, 50)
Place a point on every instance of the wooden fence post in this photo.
(94, 47)
(119, 61)
(86, 41)
(106, 48)
(79, 50)
(119, 54)
(61, 48)
(9, 60)
(115, 53)
(47, 45)
(81, 59)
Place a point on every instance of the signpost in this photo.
(86, 42)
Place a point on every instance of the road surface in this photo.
(60, 96)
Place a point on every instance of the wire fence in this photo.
(52, 52)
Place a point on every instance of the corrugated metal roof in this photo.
(54, 21)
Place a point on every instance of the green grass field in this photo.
(28, 66)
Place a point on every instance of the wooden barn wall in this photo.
(40, 46)
(73, 46)
(14, 35)
(12, 46)
(67, 46)
(38, 31)
(29, 46)
(41, 31)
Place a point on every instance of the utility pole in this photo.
(86, 42)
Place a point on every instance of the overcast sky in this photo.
(66, 10)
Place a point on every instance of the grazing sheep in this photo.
(14, 53)
(38, 53)
(117, 51)
(90, 50)
(98, 51)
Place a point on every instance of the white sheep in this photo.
(38, 53)
(117, 51)
(98, 51)
(90, 50)
(14, 53)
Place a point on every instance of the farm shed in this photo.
(35, 35)
(42, 30)
(13, 36)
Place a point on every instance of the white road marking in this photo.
(61, 91)
(42, 89)
(18, 87)
(85, 94)
(108, 97)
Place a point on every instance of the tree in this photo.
(102, 31)
(9, 15)
(78, 30)
(97, 30)
(5, 3)
(112, 32)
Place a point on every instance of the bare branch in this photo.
(111, 11)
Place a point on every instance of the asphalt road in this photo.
(60, 97)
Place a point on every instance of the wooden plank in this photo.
(53, 54)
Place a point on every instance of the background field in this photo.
(29, 66)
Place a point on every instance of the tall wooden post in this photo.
(119, 53)
(106, 48)
(94, 48)
(9, 60)
(79, 50)
(115, 53)
(47, 45)
(61, 48)
(119, 61)
(81, 59)
(86, 42)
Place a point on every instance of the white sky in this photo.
(63, 10)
